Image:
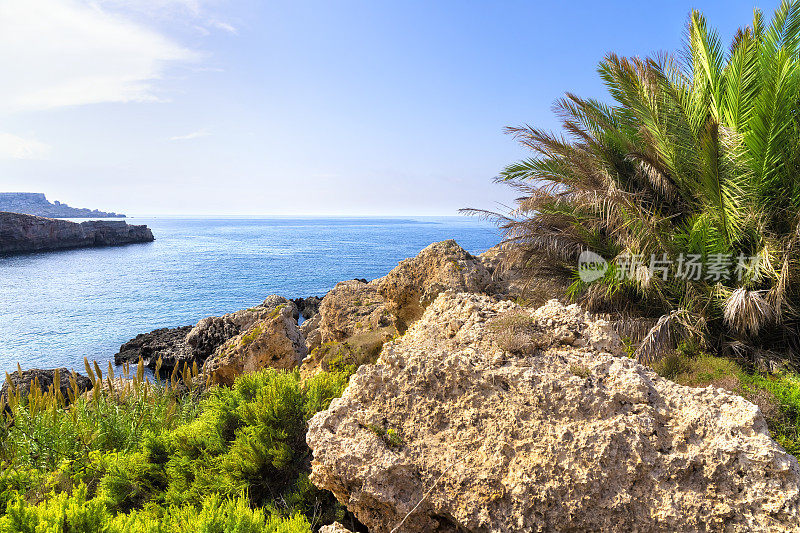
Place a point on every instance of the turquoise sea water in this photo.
(58, 307)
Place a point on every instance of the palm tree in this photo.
(695, 161)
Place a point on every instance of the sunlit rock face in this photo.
(474, 432)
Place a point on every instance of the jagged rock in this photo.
(272, 341)
(336, 527)
(415, 282)
(167, 343)
(360, 348)
(196, 344)
(212, 332)
(26, 233)
(564, 437)
(351, 307)
(45, 379)
(308, 307)
(310, 331)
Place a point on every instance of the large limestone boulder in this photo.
(461, 427)
(415, 282)
(350, 329)
(211, 332)
(272, 341)
(351, 307)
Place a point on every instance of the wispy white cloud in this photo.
(14, 147)
(56, 53)
(220, 25)
(193, 135)
(199, 12)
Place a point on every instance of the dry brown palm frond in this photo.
(632, 328)
(747, 311)
(667, 332)
(656, 178)
(777, 295)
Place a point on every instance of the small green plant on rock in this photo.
(581, 371)
(391, 437)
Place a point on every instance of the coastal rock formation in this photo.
(211, 332)
(351, 307)
(34, 203)
(167, 343)
(307, 307)
(211, 336)
(274, 341)
(416, 282)
(45, 380)
(26, 233)
(350, 329)
(346, 327)
(462, 427)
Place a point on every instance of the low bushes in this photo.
(231, 459)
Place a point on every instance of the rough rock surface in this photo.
(26, 233)
(167, 343)
(45, 378)
(336, 527)
(179, 346)
(351, 307)
(272, 341)
(567, 437)
(308, 307)
(415, 282)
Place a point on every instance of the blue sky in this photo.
(315, 107)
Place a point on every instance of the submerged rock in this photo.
(467, 431)
(27, 233)
(45, 379)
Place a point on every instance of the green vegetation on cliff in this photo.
(227, 460)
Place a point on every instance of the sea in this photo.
(57, 308)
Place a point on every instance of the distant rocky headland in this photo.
(26, 233)
(35, 203)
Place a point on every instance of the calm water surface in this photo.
(58, 307)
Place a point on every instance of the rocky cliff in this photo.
(34, 203)
(26, 233)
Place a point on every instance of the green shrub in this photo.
(74, 513)
(233, 459)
